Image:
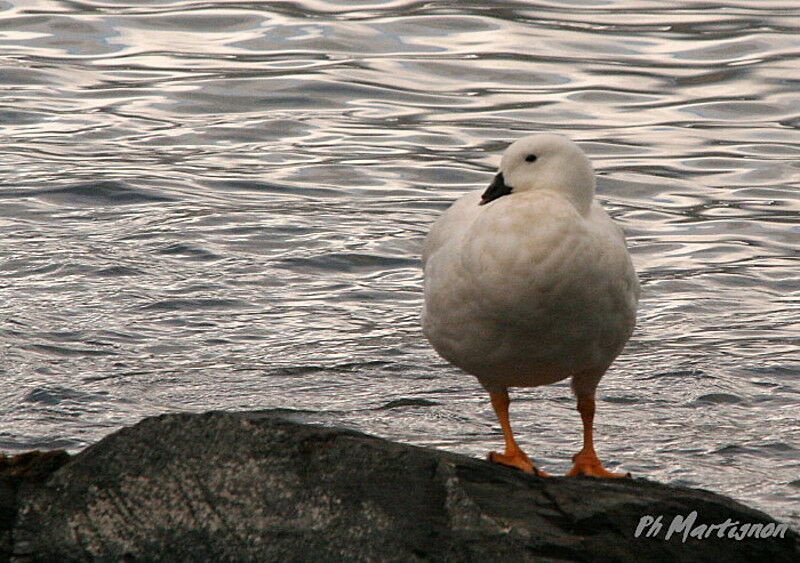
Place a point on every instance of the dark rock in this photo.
(30, 467)
(250, 486)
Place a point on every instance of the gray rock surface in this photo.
(255, 487)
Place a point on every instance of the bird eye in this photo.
(530, 158)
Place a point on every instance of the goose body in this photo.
(530, 282)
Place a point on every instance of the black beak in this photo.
(496, 189)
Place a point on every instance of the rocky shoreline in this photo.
(247, 486)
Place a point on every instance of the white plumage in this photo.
(530, 282)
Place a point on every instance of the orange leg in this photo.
(585, 461)
(513, 455)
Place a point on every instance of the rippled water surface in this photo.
(220, 205)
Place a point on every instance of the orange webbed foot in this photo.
(588, 464)
(518, 460)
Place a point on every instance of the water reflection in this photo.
(220, 206)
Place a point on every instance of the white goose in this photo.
(530, 282)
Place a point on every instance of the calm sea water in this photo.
(220, 205)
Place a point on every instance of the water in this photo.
(220, 205)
